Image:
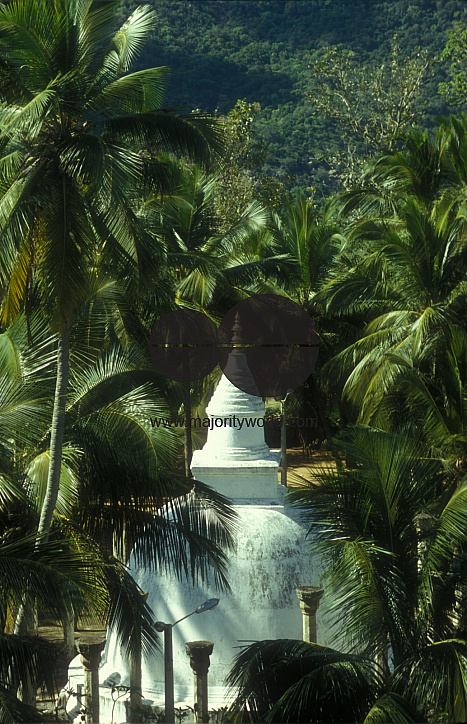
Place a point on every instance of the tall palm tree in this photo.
(109, 490)
(210, 267)
(410, 296)
(78, 133)
(391, 530)
(312, 240)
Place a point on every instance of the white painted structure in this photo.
(270, 560)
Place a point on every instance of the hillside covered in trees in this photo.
(264, 51)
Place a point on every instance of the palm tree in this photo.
(392, 536)
(421, 168)
(78, 132)
(211, 268)
(409, 294)
(109, 491)
(311, 239)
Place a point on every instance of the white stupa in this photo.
(270, 561)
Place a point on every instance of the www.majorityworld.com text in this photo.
(233, 421)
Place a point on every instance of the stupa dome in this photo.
(268, 563)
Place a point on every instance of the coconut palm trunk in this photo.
(53, 480)
(56, 438)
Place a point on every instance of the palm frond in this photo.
(29, 118)
(51, 576)
(294, 681)
(24, 410)
(37, 473)
(13, 711)
(67, 241)
(196, 135)
(391, 707)
(130, 38)
(138, 92)
(27, 656)
(435, 680)
(129, 616)
(22, 41)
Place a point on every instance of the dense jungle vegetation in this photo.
(116, 210)
(262, 52)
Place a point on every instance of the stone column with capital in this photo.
(199, 653)
(309, 597)
(90, 659)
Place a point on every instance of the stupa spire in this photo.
(237, 330)
(236, 371)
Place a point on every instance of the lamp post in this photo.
(168, 656)
(283, 457)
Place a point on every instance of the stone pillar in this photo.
(199, 653)
(90, 659)
(309, 597)
(136, 695)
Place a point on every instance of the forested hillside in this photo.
(223, 50)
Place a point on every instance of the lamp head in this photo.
(160, 626)
(207, 605)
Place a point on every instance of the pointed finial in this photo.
(237, 332)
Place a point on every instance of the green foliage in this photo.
(372, 104)
(234, 185)
(261, 51)
(295, 681)
(244, 175)
(214, 259)
(456, 52)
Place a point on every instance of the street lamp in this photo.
(283, 457)
(168, 656)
